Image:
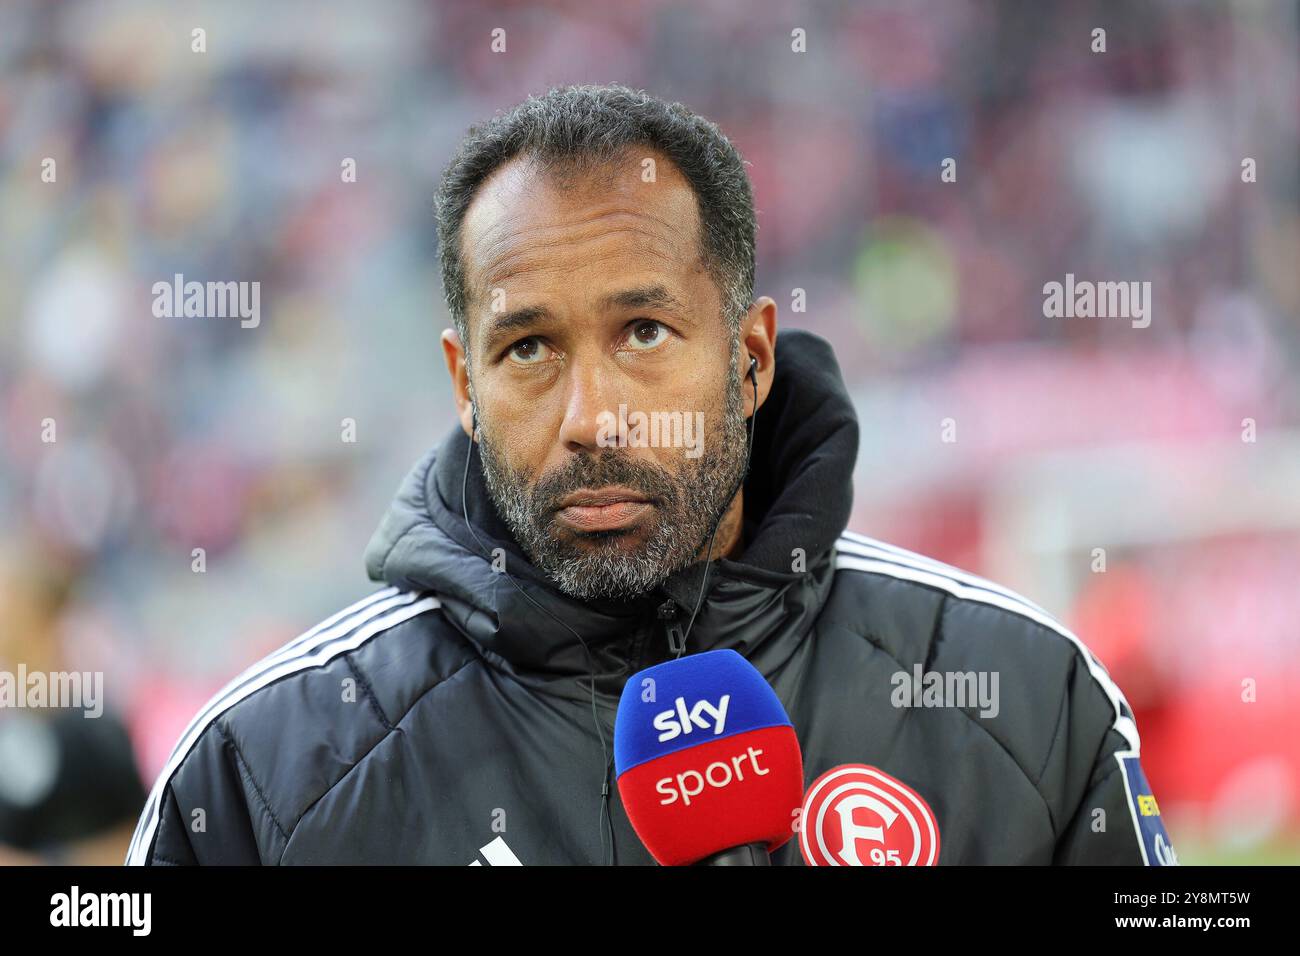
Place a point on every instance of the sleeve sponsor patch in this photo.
(1157, 850)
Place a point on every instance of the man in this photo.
(590, 516)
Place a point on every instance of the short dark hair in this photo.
(584, 128)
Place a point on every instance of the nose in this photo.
(590, 408)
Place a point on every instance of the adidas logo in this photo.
(498, 854)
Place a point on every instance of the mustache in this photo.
(598, 470)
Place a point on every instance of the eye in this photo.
(647, 334)
(529, 351)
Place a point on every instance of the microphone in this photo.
(708, 763)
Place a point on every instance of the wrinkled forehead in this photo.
(528, 207)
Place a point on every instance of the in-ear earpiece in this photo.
(753, 369)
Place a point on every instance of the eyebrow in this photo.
(650, 296)
(642, 297)
(512, 321)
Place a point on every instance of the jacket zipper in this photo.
(668, 613)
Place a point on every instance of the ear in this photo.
(458, 369)
(758, 341)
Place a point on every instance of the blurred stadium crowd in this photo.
(1080, 444)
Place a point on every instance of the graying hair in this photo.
(574, 130)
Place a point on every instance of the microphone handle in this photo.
(747, 854)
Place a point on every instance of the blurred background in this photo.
(1167, 455)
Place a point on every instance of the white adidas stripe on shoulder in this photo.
(344, 631)
(348, 618)
(857, 553)
(859, 544)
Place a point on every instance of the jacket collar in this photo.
(797, 501)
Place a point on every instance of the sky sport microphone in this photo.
(708, 764)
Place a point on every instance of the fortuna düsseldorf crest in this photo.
(855, 815)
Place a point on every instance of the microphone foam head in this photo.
(706, 758)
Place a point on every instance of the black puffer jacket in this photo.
(444, 720)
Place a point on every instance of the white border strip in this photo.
(320, 651)
(1124, 725)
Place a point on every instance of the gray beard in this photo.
(688, 504)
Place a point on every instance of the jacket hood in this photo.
(798, 495)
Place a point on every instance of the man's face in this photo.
(590, 313)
